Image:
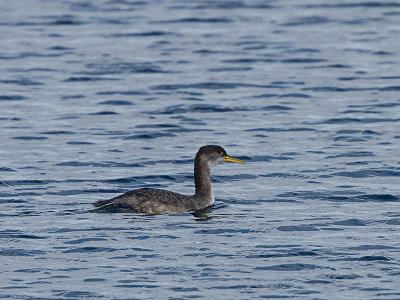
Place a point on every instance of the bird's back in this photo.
(151, 201)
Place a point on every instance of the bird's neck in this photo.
(202, 180)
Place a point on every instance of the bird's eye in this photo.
(222, 154)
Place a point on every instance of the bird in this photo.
(152, 201)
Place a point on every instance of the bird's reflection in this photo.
(203, 214)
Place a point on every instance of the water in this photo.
(100, 97)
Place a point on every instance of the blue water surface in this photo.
(101, 97)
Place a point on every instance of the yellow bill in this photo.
(232, 159)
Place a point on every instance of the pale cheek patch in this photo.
(216, 162)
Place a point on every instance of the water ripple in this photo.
(206, 85)
(290, 267)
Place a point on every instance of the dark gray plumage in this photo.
(155, 201)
